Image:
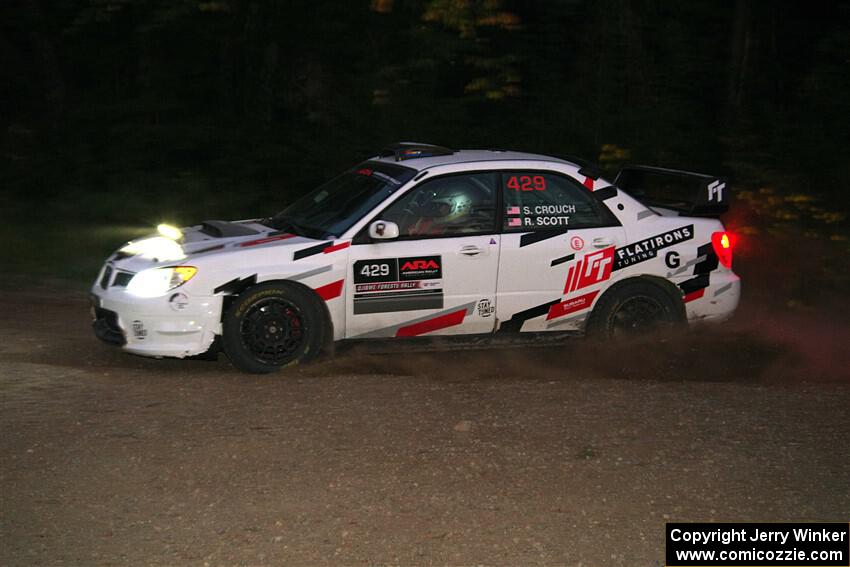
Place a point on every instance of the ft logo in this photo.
(594, 268)
(715, 189)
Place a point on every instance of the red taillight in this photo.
(722, 244)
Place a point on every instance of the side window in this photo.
(447, 206)
(536, 200)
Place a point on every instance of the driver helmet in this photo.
(454, 204)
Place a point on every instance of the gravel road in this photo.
(575, 455)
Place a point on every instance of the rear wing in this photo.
(689, 193)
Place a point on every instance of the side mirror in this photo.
(383, 230)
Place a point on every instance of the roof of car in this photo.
(463, 156)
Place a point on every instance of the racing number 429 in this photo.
(375, 270)
(526, 183)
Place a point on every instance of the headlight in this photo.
(159, 281)
(169, 231)
(157, 248)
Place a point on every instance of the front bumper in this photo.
(105, 325)
(157, 326)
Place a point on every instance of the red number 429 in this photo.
(527, 183)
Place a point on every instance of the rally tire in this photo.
(634, 308)
(271, 326)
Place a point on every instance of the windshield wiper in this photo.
(280, 222)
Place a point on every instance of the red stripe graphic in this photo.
(571, 305)
(331, 290)
(595, 267)
(335, 247)
(435, 324)
(569, 279)
(577, 275)
(588, 182)
(694, 295)
(269, 239)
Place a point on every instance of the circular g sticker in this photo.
(576, 242)
(178, 301)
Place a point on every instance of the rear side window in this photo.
(536, 200)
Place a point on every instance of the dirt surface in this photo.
(575, 455)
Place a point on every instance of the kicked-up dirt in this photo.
(569, 455)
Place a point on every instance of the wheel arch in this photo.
(668, 287)
(674, 291)
(326, 314)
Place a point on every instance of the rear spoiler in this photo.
(689, 193)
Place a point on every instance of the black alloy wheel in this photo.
(272, 330)
(634, 308)
(273, 325)
(638, 313)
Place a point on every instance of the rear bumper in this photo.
(156, 326)
(717, 302)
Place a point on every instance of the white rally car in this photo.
(426, 241)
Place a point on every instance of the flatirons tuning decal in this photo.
(648, 248)
(596, 267)
(398, 284)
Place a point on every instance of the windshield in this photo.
(334, 207)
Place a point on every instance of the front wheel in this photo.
(270, 326)
(634, 309)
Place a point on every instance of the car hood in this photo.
(206, 239)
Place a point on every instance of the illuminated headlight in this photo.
(169, 231)
(157, 248)
(159, 281)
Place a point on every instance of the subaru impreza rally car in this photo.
(424, 241)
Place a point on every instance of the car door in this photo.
(439, 276)
(557, 249)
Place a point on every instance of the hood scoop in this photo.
(224, 229)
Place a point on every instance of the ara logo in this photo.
(715, 190)
(420, 268)
(420, 265)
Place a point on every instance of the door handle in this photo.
(470, 250)
(603, 242)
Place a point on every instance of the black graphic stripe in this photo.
(702, 270)
(710, 263)
(210, 249)
(606, 193)
(694, 284)
(533, 237)
(514, 324)
(432, 300)
(562, 259)
(236, 285)
(399, 293)
(311, 251)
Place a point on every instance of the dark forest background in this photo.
(136, 111)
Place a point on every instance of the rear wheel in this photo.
(271, 326)
(634, 309)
